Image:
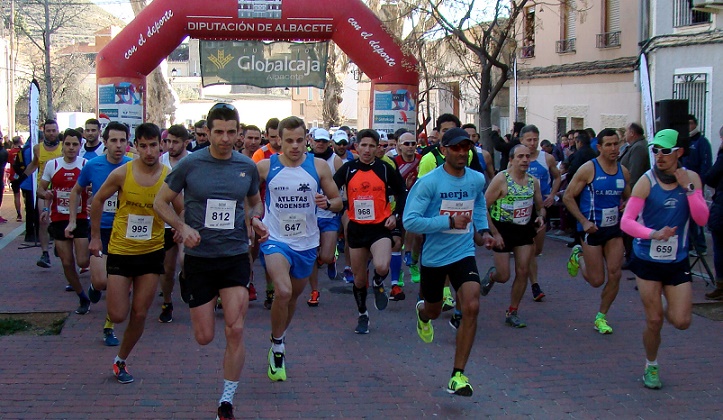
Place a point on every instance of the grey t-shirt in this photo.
(210, 186)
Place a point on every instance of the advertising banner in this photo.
(262, 64)
(393, 107)
(122, 102)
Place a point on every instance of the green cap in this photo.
(667, 138)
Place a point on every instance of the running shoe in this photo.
(362, 324)
(314, 299)
(166, 313)
(340, 244)
(651, 379)
(425, 330)
(44, 260)
(715, 294)
(219, 304)
(93, 295)
(277, 366)
(513, 320)
(397, 293)
(449, 302)
(348, 274)
(414, 273)
(252, 292)
(225, 411)
(3, 220)
(459, 385)
(19, 218)
(601, 325)
(69, 288)
(537, 293)
(400, 282)
(269, 299)
(487, 282)
(84, 270)
(381, 299)
(331, 270)
(83, 308)
(109, 337)
(455, 321)
(573, 263)
(121, 373)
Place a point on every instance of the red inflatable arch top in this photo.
(163, 24)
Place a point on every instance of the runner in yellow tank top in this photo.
(135, 252)
(42, 154)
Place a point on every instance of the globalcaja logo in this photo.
(220, 59)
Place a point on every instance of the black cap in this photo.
(455, 136)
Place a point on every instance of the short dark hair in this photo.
(607, 132)
(512, 151)
(291, 123)
(118, 126)
(200, 124)
(590, 132)
(148, 131)
(178, 130)
(272, 123)
(399, 132)
(469, 125)
(583, 137)
(71, 132)
(636, 128)
(530, 128)
(49, 121)
(691, 117)
(92, 121)
(447, 118)
(251, 128)
(368, 132)
(545, 143)
(517, 126)
(222, 112)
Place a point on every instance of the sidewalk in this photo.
(556, 367)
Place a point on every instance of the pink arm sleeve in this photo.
(698, 209)
(628, 223)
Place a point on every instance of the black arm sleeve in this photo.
(340, 177)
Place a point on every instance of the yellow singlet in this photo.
(45, 156)
(137, 229)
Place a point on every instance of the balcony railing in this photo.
(608, 39)
(565, 46)
(527, 51)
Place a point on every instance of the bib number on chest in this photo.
(110, 205)
(609, 217)
(457, 208)
(139, 227)
(293, 225)
(364, 210)
(664, 250)
(220, 214)
(522, 212)
(63, 203)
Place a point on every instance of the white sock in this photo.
(649, 363)
(229, 391)
(278, 348)
(118, 359)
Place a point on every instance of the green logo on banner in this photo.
(264, 65)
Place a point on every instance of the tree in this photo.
(160, 96)
(40, 21)
(333, 89)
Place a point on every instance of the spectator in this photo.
(583, 154)
(636, 158)
(699, 160)
(714, 179)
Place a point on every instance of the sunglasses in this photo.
(342, 143)
(409, 143)
(223, 106)
(460, 147)
(664, 150)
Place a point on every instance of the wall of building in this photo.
(601, 101)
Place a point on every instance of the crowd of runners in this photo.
(200, 206)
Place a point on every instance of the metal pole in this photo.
(11, 73)
(514, 72)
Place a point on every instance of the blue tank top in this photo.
(600, 200)
(664, 208)
(538, 168)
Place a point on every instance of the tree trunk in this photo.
(485, 108)
(50, 112)
(332, 91)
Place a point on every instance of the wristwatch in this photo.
(483, 231)
(690, 189)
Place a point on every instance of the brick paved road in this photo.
(557, 367)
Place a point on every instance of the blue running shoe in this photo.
(348, 275)
(331, 270)
(408, 258)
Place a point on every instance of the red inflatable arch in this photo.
(124, 63)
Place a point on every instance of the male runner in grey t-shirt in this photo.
(216, 182)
